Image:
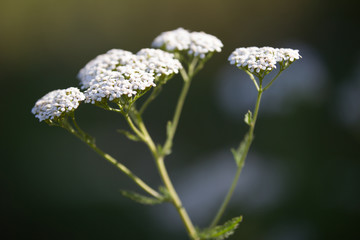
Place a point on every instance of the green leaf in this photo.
(129, 135)
(142, 199)
(248, 118)
(240, 151)
(220, 232)
(166, 150)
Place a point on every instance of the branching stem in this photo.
(160, 153)
(91, 143)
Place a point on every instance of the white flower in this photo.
(178, 39)
(120, 73)
(57, 102)
(111, 85)
(103, 62)
(287, 54)
(195, 43)
(153, 61)
(202, 43)
(262, 59)
(158, 62)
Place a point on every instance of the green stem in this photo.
(159, 154)
(147, 138)
(175, 199)
(159, 159)
(248, 140)
(253, 79)
(271, 82)
(125, 170)
(85, 138)
(134, 128)
(172, 130)
(152, 96)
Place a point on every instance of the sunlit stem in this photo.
(248, 140)
(159, 160)
(253, 79)
(155, 92)
(187, 77)
(160, 153)
(147, 138)
(176, 200)
(78, 132)
(134, 128)
(271, 82)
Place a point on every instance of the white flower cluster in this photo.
(120, 72)
(195, 43)
(103, 62)
(262, 59)
(154, 61)
(57, 102)
(113, 84)
(158, 62)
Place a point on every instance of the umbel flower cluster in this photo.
(57, 102)
(116, 79)
(263, 59)
(154, 62)
(194, 43)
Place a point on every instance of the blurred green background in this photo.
(301, 180)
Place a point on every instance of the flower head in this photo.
(158, 62)
(287, 55)
(104, 62)
(57, 103)
(118, 74)
(154, 61)
(196, 44)
(175, 40)
(112, 85)
(203, 43)
(263, 60)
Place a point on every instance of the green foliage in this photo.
(169, 133)
(240, 153)
(145, 199)
(129, 135)
(220, 232)
(248, 118)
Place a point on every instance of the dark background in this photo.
(301, 180)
